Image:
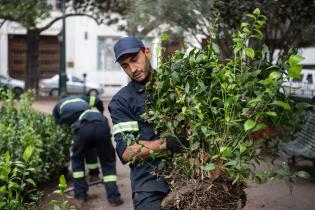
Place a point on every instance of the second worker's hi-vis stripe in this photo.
(125, 126)
(92, 101)
(110, 178)
(86, 111)
(78, 174)
(92, 165)
(68, 102)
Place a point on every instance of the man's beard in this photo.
(148, 70)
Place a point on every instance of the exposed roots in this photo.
(211, 195)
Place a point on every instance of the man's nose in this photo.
(133, 68)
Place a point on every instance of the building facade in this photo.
(89, 50)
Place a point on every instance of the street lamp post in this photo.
(84, 83)
(62, 71)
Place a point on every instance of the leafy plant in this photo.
(18, 189)
(220, 105)
(21, 125)
(63, 204)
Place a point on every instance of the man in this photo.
(67, 111)
(126, 108)
(92, 130)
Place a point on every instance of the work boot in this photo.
(115, 201)
(113, 195)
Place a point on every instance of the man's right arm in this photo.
(125, 124)
(142, 149)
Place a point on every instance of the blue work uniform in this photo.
(126, 108)
(68, 110)
(92, 130)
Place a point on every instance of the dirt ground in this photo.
(274, 195)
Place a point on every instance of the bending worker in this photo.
(90, 132)
(67, 111)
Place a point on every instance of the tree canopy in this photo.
(290, 22)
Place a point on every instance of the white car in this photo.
(304, 87)
(17, 86)
(74, 86)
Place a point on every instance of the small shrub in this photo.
(21, 125)
(18, 189)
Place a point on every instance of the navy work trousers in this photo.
(147, 200)
(88, 135)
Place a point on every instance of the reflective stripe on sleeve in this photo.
(125, 126)
(86, 111)
(78, 174)
(110, 178)
(92, 101)
(92, 165)
(70, 101)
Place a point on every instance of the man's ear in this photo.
(147, 52)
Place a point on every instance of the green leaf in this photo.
(271, 114)
(165, 37)
(251, 16)
(259, 127)
(2, 204)
(256, 11)
(3, 189)
(260, 177)
(242, 148)
(244, 24)
(295, 60)
(295, 71)
(7, 156)
(56, 207)
(282, 104)
(249, 124)
(187, 88)
(195, 145)
(274, 75)
(209, 167)
(254, 101)
(259, 34)
(192, 60)
(175, 77)
(303, 174)
(62, 180)
(31, 181)
(28, 153)
(216, 48)
(302, 105)
(231, 163)
(250, 52)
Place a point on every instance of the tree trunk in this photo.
(31, 76)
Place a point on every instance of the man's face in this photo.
(137, 65)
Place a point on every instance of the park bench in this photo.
(304, 144)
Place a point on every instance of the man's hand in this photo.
(176, 145)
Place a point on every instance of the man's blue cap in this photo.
(125, 45)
